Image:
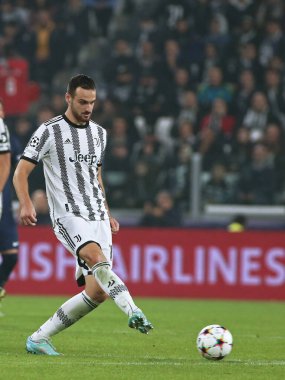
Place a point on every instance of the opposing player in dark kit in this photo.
(8, 226)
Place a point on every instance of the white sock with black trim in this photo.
(114, 287)
(68, 313)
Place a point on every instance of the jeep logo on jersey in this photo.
(90, 159)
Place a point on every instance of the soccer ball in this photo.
(214, 342)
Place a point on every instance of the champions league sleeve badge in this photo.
(34, 142)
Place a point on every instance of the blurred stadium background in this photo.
(192, 94)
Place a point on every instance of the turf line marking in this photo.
(159, 363)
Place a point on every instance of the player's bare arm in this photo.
(115, 226)
(5, 165)
(20, 181)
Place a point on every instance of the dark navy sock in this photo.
(8, 264)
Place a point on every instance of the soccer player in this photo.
(72, 147)
(5, 154)
(8, 229)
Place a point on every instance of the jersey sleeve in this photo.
(5, 145)
(38, 145)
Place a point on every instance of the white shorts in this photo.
(75, 232)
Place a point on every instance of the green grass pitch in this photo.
(101, 346)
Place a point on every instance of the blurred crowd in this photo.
(173, 77)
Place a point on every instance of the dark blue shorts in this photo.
(8, 233)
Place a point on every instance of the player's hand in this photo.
(28, 216)
(115, 226)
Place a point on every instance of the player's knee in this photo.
(91, 259)
(91, 254)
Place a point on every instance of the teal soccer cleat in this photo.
(138, 321)
(41, 347)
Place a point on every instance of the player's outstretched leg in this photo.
(117, 290)
(69, 313)
(41, 347)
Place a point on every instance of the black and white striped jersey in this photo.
(4, 138)
(71, 155)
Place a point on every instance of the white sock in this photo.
(69, 313)
(114, 287)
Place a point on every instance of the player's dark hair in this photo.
(82, 81)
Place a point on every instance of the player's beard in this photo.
(80, 117)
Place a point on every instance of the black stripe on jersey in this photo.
(101, 137)
(90, 303)
(65, 234)
(5, 151)
(79, 176)
(54, 120)
(42, 142)
(63, 171)
(91, 148)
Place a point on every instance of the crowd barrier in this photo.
(179, 263)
